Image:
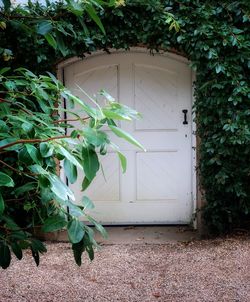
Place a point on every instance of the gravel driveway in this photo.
(210, 270)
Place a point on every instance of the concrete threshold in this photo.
(147, 234)
(135, 235)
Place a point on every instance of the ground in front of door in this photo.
(207, 270)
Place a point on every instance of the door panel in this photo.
(157, 106)
(106, 185)
(157, 185)
(151, 169)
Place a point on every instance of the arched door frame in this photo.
(196, 194)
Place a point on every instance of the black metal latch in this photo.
(185, 122)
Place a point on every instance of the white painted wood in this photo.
(162, 53)
(157, 187)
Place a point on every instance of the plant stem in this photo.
(71, 120)
(36, 140)
(17, 171)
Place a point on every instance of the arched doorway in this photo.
(157, 187)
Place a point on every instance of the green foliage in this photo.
(70, 29)
(33, 139)
(214, 36)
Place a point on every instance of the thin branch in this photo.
(15, 199)
(9, 17)
(45, 17)
(19, 229)
(20, 199)
(32, 141)
(13, 169)
(21, 108)
(71, 120)
(17, 171)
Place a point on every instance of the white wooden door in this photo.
(157, 185)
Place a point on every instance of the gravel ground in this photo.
(210, 270)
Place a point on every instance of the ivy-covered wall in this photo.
(215, 37)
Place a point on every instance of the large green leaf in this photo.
(115, 115)
(69, 156)
(123, 161)
(95, 137)
(75, 230)
(102, 230)
(123, 134)
(6, 180)
(35, 255)
(51, 40)
(120, 112)
(33, 153)
(78, 248)
(107, 96)
(38, 169)
(98, 226)
(90, 251)
(10, 223)
(27, 127)
(7, 141)
(89, 243)
(75, 7)
(44, 27)
(5, 256)
(17, 250)
(87, 203)
(54, 223)
(46, 149)
(85, 183)
(60, 44)
(92, 13)
(2, 205)
(24, 157)
(74, 210)
(37, 247)
(19, 235)
(3, 127)
(90, 163)
(94, 113)
(29, 186)
(59, 188)
(70, 170)
(4, 70)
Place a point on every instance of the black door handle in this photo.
(185, 122)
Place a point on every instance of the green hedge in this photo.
(215, 37)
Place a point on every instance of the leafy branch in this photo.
(32, 142)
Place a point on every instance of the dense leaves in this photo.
(214, 36)
(33, 139)
(70, 28)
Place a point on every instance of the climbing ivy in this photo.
(213, 35)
